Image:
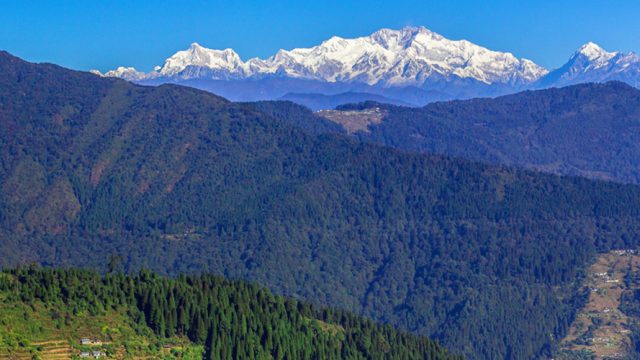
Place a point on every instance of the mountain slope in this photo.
(178, 180)
(590, 130)
(228, 319)
(297, 115)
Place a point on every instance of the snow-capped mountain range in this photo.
(409, 56)
(412, 64)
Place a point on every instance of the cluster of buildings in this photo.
(93, 353)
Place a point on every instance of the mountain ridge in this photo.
(316, 101)
(409, 56)
(589, 130)
(386, 63)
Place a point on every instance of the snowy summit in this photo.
(412, 64)
(591, 63)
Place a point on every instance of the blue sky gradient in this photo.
(105, 34)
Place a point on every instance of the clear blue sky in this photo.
(103, 34)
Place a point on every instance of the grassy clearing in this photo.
(354, 121)
(36, 331)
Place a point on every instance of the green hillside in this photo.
(588, 130)
(46, 313)
(484, 259)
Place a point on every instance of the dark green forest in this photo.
(296, 115)
(233, 320)
(484, 259)
(589, 130)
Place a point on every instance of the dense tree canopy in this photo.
(233, 320)
(588, 130)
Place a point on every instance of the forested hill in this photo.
(590, 130)
(230, 319)
(483, 259)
